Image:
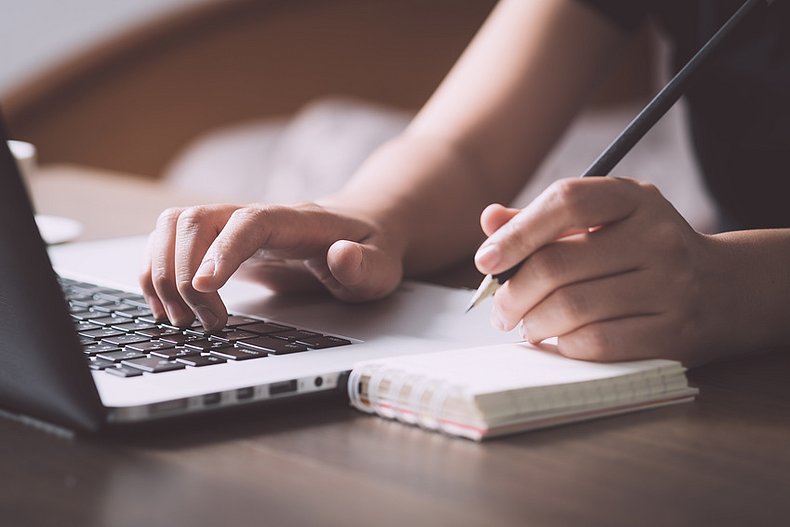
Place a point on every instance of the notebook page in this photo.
(503, 367)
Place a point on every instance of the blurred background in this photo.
(280, 100)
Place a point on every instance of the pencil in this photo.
(638, 126)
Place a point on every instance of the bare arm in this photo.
(486, 129)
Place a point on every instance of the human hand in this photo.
(193, 251)
(611, 268)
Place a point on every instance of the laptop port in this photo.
(243, 394)
(212, 398)
(278, 388)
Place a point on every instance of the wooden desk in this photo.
(723, 460)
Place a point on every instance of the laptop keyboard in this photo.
(120, 336)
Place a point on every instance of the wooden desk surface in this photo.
(723, 460)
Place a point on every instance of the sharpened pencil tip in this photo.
(488, 287)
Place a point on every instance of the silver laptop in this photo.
(81, 351)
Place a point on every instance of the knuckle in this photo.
(190, 220)
(169, 216)
(670, 242)
(648, 188)
(569, 194)
(163, 285)
(184, 286)
(591, 343)
(249, 214)
(547, 264)
(573, 304)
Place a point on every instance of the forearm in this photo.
(754, 275)
(485, 130)
(425, 194)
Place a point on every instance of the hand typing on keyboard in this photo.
(193, 251)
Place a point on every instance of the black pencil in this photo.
(639, 126)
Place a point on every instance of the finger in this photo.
(566, 206)
(147, 285)
(291, 232)
(362, 271)
(494, 216)
(577, 305)
(632, 338)
(196, 229)
(163, 274)
(573, 259)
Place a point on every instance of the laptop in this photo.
(80, 350)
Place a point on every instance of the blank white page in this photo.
(512, 366)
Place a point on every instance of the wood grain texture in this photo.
(722, 460)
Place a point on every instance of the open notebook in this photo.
(495, 390)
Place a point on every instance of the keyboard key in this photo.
(265, 328)
(153, 364)
(208, 345)
(323, 341)
(134, 312)
(87, 315)
(233, 335)
(238, 354)
(98, 334)
(174, 353)
(155, 332)
(148, 347)
(202, 333)
(118, 356)
(235, 320)
(271, 345)
(197, 361)
(182, 339)
(124, 371)
(130, 327)
(84, 325)
(123, 340)
(136, 300)
(150, 318)
(99, 347)
(116, 295)
(296, 334)
(100, 364)
(86, 341)
(108, 320)
(106, 306)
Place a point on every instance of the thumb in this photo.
(363, 271)
(494, 216)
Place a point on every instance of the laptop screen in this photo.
(43, 374)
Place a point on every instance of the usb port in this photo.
(277, 388)
(212, 398)
(245, 393)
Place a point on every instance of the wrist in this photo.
(754, 299)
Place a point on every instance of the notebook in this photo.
(489, 391)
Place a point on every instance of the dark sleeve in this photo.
(627, 14)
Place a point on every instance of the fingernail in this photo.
(206, 268)
(523, 331)
(487, 256)
(206, 317)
